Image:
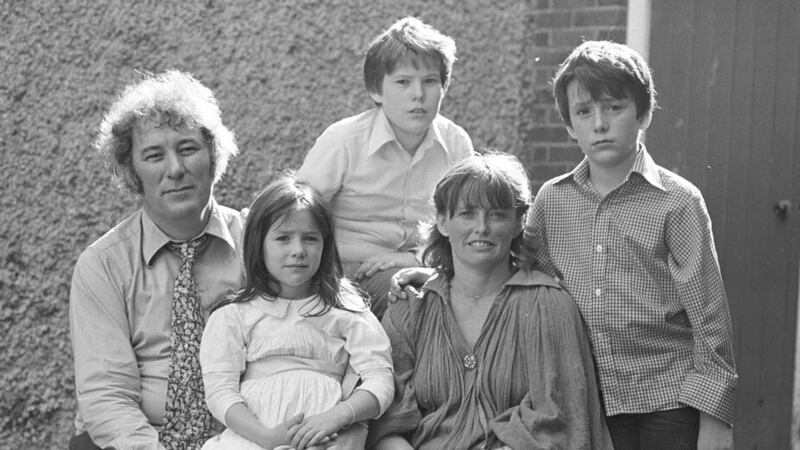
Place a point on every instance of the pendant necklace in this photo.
(469, 361)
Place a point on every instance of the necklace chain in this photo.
(473, 296)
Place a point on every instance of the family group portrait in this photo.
(390, 225)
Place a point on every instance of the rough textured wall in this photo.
(282, 69)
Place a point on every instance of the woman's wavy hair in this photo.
(494, 180)
(271, 205)
(173, 99)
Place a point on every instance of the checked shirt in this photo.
(642, 267)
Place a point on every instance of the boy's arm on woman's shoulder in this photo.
(696, 274)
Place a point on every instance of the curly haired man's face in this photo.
(175, 170)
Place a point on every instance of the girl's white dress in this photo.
(269, 354)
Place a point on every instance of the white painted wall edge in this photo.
(638, 31)
(638, 27)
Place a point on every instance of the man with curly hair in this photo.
(140, 292)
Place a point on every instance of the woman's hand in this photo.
(406, 281)
(384, 261)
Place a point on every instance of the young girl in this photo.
(292, 343)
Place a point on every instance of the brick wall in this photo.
(552, 29)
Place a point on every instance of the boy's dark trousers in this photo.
(674, 429)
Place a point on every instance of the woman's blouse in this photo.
(528, 382)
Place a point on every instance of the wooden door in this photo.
(728, 74)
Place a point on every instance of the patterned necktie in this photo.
(187, 421)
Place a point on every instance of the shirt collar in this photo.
(279, 307)
(643, 165)
(382, 134)
(646, 167)
(579, 174)
(153, 239)
(440, 284)
(276, 307)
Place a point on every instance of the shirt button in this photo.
(599, 248)
(597, 292)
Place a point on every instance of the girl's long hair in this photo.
(280, 197)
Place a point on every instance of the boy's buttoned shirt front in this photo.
(379, 192)
(641, 264)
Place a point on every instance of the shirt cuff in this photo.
(709, 396)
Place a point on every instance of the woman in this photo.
(489, 355)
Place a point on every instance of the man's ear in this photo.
(133, 180)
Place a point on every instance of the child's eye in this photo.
(402, 82)
(282, 238)
(189, 149)
(432, 80)
(581, 112)
(499, 215)
(312, 238)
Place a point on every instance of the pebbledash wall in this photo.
(283, 70)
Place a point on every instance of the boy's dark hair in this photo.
(280, 197)
(606, 68)
(404, 36)
(494, 180)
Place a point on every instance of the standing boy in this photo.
(632, 242)
(379, 168)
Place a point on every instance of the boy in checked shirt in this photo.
(632, 242)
